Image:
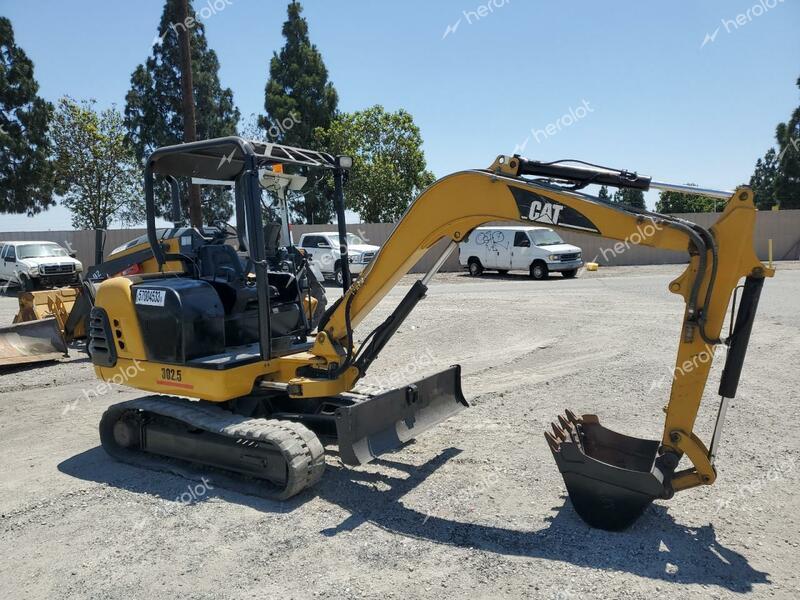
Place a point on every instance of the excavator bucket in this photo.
(611, 478)
(370, 427)
(30, 342)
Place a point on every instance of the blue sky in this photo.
(662, 103)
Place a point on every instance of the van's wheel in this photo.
(539, 270)
(569, 274)
(475, 267)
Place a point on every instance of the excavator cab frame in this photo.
(242, 162)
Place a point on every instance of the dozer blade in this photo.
(368, 428)
(30, 342)
(611, 478)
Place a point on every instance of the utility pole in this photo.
(187, 86)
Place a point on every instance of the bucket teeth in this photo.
(564, 423)
(565, 430)
(571, 416)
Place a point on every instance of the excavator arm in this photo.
(611, 478)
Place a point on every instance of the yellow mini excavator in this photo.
(238, 384)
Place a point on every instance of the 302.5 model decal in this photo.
(539, 209)
(173, 378)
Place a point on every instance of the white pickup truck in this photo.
(538, 250)
(37, 264)
(324, 249)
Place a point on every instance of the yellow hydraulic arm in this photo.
(455, 205)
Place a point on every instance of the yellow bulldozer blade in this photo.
(58, 303)
(39, 305)
(34, 341)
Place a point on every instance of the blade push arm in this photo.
(457, 204)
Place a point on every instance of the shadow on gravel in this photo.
(11, 370)
(656, 546)
(172, 482)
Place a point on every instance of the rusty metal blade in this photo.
(31, 342)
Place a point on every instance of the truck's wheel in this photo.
(539, 270)
(569, 274)
(25, 283)
(475, 267)
(338, 277)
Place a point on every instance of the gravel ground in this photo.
(474, 508)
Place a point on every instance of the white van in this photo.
(538, 250)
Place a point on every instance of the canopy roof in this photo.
(224, 158)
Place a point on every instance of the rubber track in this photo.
(300, 447)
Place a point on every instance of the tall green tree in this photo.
(389, 168)
(96, 168)
(629, 197)
(678, 202)
(154, 108)
(764, 179)
(26, 172)
(603, 194)
(298, 99)
(787, 182)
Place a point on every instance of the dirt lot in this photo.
(475, 508)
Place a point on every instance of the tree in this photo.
(187, 101)
(679, 202)
(787, 182)
(26, 172)
(389, 168)
(154, 103)
(629, 197)
(603, 194)
(96, 169)
(763, 180)
(298, 99)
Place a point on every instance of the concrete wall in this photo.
(783, 227)
(80, 242)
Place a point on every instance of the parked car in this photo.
(37, 264)
(538, 250)
(323, 247)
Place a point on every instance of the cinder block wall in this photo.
(783, 227)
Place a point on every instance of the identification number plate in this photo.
(151, 297)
